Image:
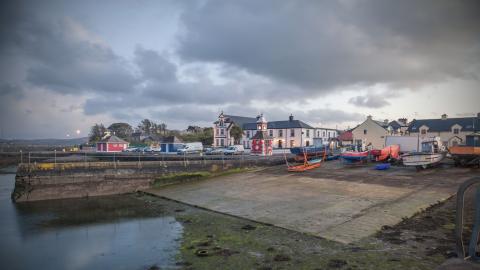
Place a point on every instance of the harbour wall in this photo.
(45, 181)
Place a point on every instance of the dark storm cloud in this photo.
(320, 45)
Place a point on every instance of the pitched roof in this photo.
(238, 120)
(279, 125)
(438, 125)
(113, 139)
(395, 124)
(381, 123)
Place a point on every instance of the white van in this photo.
(187, 148)
(234, 149)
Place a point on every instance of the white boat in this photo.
(433, 152)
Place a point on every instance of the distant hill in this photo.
(46, 142)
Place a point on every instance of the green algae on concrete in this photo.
(175, 178)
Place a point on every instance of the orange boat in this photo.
(307, 164)
(391, 151)
(468, 154)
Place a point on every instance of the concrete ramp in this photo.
(342, 211)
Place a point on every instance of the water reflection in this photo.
(115, 232)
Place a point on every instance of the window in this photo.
(323, 134)
(364, 132)
(292, 132)
(270, 132)
(217, 144)
(280, 133)
(248, 133)
(280, 144)
(292, 143)
(222, 142)
(455, 131)
(222, 131)
(423, 131)
(318, 133)
(307, 143)
(308, 133)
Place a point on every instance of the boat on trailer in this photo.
(433, 152)
(468, 154)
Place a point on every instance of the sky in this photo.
(66, 65)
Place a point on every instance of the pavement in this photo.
(336, 202)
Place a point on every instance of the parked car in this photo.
(188, 148)
(216, 151)
(234, 150)
(130, 149)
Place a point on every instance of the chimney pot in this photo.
(290, 118)
(444, 116)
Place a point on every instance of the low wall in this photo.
(44, 181)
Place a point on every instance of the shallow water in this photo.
(114, 232)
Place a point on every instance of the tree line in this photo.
(148, 127)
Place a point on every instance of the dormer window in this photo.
(364, 132)
(423, 131)
(456, 131)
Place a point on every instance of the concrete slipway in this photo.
(339, 203)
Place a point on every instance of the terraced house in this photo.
(285, 133)
(452, 131)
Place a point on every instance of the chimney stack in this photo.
(290, 118)
(369, 117)
(385, 121)
(444, 116)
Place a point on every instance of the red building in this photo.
(261, 142)
(112, 144)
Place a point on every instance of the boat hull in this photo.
(354, 156)
(422, 159)
(309, 150)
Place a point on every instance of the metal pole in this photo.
(55, 158)
(114, 163)
(21, 157)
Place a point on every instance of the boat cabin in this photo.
(473, 139)
(432, 146)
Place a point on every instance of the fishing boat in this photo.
(308, 150)
(433, 152)
(468, 154)
(355, 157)
(307, 164)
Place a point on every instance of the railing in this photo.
(459, 221)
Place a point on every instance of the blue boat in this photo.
(308, 150)
(382, 166)
(354, 157)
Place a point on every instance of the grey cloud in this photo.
(154, 66)
(321, 45)
(369, 101)
(61, 55)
